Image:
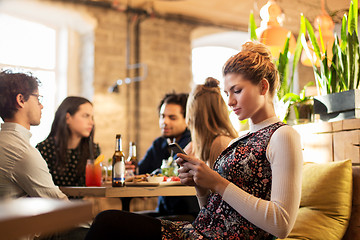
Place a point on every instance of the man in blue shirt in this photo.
(172, 111)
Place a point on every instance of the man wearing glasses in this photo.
(23, 171)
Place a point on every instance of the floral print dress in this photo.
(243, 163)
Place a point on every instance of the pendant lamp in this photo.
(271, 33)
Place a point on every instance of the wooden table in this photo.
(29, 216)
(126, 193)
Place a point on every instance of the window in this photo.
(31, 47)
(208, 62)
(52, 42)
(209, 54)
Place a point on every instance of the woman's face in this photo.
(245, 99)
(82, 122)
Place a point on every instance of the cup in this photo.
(93, 174)
(104, 172)
(109, 173)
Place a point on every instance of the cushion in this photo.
(325, 205)
(353, 230)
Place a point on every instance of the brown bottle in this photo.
(132, 156)
(118, 164)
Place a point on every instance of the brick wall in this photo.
(165, 47)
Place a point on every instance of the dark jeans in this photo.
(116, 224)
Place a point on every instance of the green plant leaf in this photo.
(352, 21)
(333, 68)
(321, 40)
(292, 97)
(356, 15)
(343, 33)
(353, 58)
(296, 110)
(283, 67)
(303, 98)
(312, 37)
(298, 49)
(338, 68)
(252, 27)
(323, 76)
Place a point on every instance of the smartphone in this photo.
(176, 148)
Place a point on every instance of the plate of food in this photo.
(171, 181)
(152, 180)
(175, 183)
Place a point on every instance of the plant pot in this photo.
(338, 106)
(305, 113)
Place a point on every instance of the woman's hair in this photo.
(60, 131)
(207, 117)
(254, 63)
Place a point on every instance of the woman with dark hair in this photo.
(67, 147)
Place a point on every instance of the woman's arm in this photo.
(218, 145)
(278, 215)
(194, 172)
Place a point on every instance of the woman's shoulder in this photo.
(48, 142)
(285, 133)
(286, 129)
(219, 144)
(47, 149)
(221, 141)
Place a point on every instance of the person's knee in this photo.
(106, 214)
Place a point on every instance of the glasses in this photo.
(39, 97)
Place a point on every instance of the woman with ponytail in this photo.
(209, 123)
(253, 189)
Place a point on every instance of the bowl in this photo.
(153, 179)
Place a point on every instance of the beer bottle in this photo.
(132, 156)
(118, 164)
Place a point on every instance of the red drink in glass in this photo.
(93, 174)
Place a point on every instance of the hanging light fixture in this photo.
(324, 25)
(271, 32)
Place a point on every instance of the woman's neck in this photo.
(73, 142)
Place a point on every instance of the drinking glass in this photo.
(93, 174)
(104, 172)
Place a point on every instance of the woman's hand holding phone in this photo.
(195, 172)
(185, 176)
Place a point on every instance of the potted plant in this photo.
(338, 82)
(288, 101)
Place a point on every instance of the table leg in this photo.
(125, 201)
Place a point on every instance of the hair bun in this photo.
(211, 82)
(257, 48)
